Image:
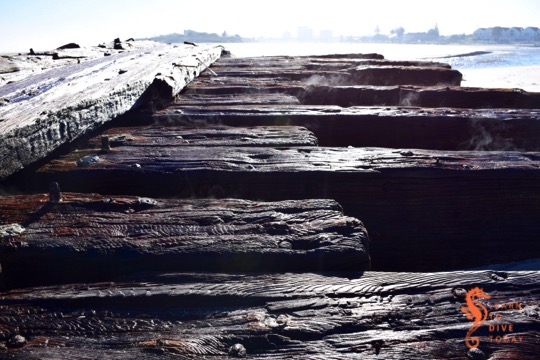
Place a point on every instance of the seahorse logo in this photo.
(476, 312)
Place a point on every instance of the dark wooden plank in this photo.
(394, 127)
(359, 161)
(404, 75)
(453, 97)
(372, 56)
(44, 111)
(425, 210)
(263, 74)
(262, 65)
(89, 237)
(194, 99)
(336, 71)
(466, 97)
(334, 76)
(370, 316)
(280, 60)
(173, 136)
(360, 75)
(272, 65)
(263, 68)
(334, 63)
(234, 85)
(346, 96)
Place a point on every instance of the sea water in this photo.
(508, 66)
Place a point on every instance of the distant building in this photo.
(432, 35)
(532, 33)
(507, 35)
(326, 36)
(305, 34)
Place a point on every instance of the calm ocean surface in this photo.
(503, 66)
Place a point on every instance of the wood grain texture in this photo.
(335, 71)
(89, 237)
(361, 75)
(44, 111)
(393, 127)
(234, 275)
(404, 75)
(310, 316)
(430, 96)
(236, 99)
(162, 137)
(425, 210)
(221, 92)
(16, 67)
(360, 161)
(262, 75)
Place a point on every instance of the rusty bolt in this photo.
(459, 293)
(476, 354)
(54, 193)
(16, 342)
(105, 143)
(237, 350)
(285, 245)
(162, 342)
(377, 345)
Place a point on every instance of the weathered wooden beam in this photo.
(262, 68)
(161, 137)
(272, 74)
(22, 65)
(452, 97)
(372, 56)
(16, 67)
(333, 63)
(394, 127)
(425, 210)
(228, 85)
(466, 97)
(44, 111)
(89, 237)
(403, 75)
(359, 75)
(346, 96)
(194, 99)
(280, 60)
(261, 316)
(172, 136)
(251, 66)
(337, 71)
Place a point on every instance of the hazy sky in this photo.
(46, 24)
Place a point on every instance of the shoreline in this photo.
(524, 77)
(517, 77)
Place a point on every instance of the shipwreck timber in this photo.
(233, 216)
(44, 111)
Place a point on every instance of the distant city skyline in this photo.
(45, 24)
(493, 34)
